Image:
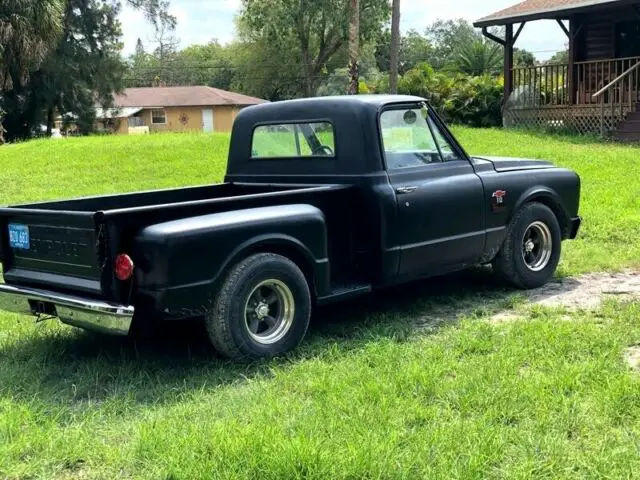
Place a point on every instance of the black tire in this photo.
(520, 268)
(236, 308)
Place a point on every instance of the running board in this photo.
(344, 292)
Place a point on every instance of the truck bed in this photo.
(72, 243)
(154, 198)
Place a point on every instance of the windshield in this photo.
(410, 138)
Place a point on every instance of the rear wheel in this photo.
(261, 310)
(532, 248)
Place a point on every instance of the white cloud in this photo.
(202, 20)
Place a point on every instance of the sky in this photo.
(200, 21)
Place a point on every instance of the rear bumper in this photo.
(574, 227)
(80, 312)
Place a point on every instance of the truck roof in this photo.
(355, 123)
(365, 101)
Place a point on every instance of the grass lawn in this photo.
(379, 390)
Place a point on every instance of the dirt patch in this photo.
(587, 291)
(632, 357)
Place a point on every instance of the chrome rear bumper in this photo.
(80, 312)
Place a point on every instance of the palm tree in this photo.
(354, 46)
(28, 31)
(479, 57)
(395, 46)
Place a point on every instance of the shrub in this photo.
(475, 101)
(468, 100)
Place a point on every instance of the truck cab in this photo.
(324, 199)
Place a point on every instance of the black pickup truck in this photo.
(324, 199)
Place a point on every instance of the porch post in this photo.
(572, 80)
(508, 61)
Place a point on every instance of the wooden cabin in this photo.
(597, 89)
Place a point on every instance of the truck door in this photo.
(439, 223)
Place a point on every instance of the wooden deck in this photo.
(587, 97)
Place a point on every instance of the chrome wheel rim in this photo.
(269, 312)
(537, 246)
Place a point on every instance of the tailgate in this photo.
(54, 249)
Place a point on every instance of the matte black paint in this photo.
(340, 219)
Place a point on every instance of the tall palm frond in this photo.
(479, 58)
(28, 31)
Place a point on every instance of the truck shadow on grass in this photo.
(62, 366)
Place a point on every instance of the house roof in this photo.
(539, 9)
(181, 97)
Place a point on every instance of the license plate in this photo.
(19, 236)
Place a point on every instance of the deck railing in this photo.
(621, 91)
(540, 86)
(595, 75)
(552, 85)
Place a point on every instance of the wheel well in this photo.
(557, 211)
(289, 252)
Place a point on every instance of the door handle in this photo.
(405, 190)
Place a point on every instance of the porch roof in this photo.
(540, 9)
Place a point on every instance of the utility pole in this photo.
(395, 46)
(354, 47)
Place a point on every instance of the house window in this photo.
(136, 122)
(293, 140)
(627, 39)
(158, 117)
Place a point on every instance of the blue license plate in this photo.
(19, 236)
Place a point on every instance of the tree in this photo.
(354, 46)
(84, 68)
(448, 37)
(413, 50)
(28, 30)
(395, 46)
(478, 57)
(165, 41)
(338, 81)
(256, 73)
(523, 58)
(60, 54)
(155, 10)
(142, 68)
(316, 29)
(210, 64)
(139, 49)
(559, 58)
(1, 127)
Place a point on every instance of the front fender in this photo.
(180, 261)
(548, 197)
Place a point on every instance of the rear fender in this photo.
(180, 262)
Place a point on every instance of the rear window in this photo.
(293, 140)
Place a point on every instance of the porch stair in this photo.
(629, 129)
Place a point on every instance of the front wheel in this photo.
(262, 309)
(532, 248)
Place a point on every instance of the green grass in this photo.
(389, 387)
(53, 169)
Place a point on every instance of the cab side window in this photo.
(411, 138)
(293, 140)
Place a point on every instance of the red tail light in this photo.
(123, 267)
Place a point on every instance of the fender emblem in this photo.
(498, 200)
(499, 195)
